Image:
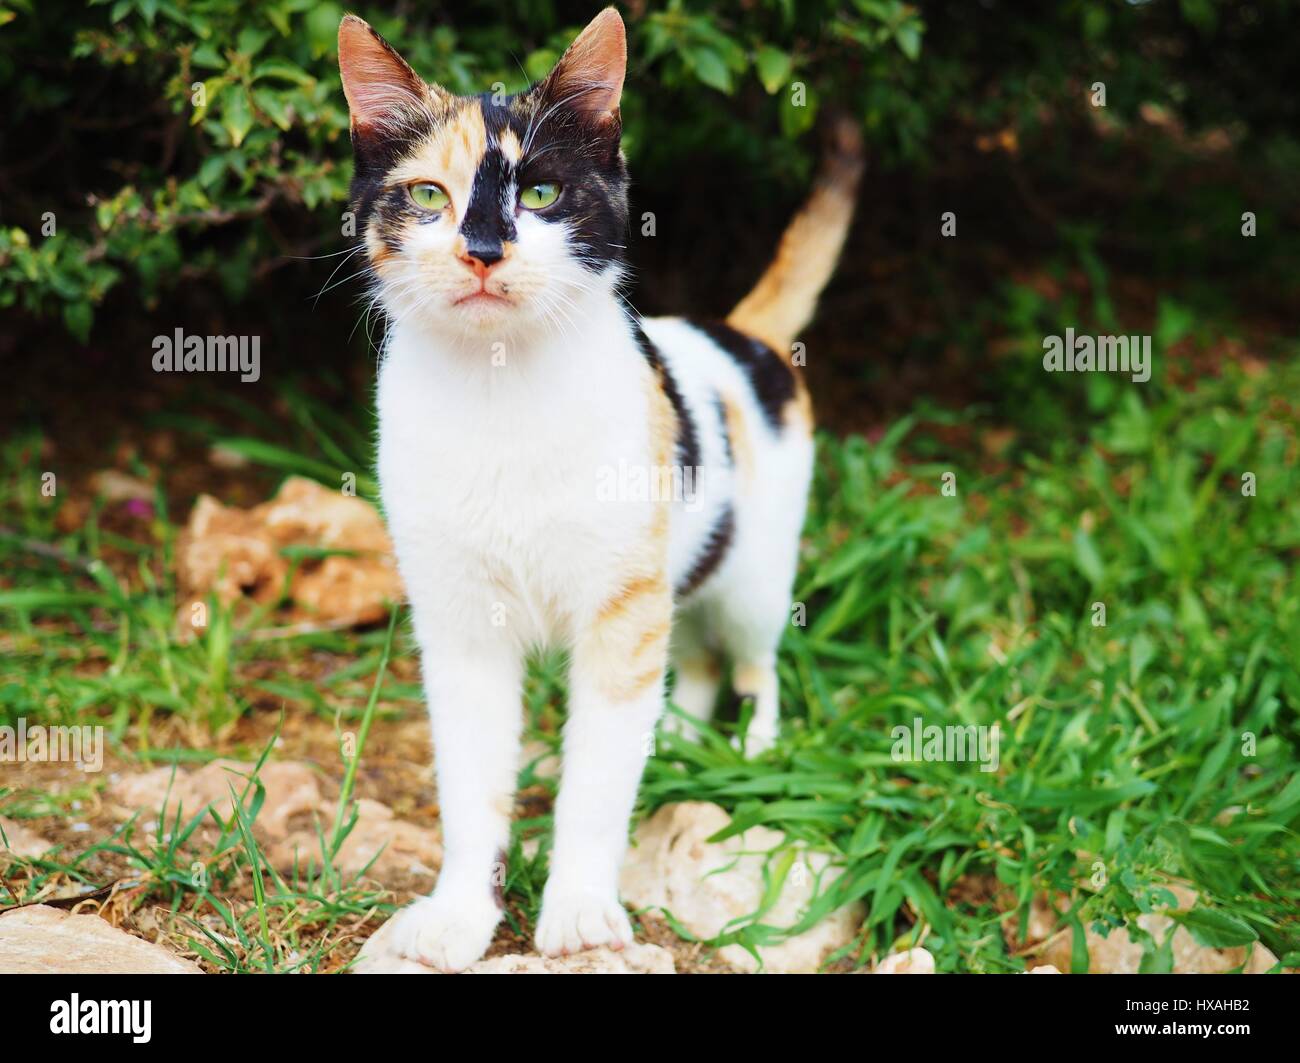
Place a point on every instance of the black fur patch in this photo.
(688, 443)
(375, 153)
(488, 223)
(769, 375)
(563, 145)
(724, 431)
(714, 551)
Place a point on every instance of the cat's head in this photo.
(486, 215)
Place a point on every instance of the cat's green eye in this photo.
(539, 196)
(428, 196)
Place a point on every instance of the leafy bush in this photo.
(162, 142)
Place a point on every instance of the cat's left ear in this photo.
(588, 78)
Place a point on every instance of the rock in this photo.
(22, 841)
(291, 788)
(1118, 953)
(706, 885)
(114, 486)
(1047, 968)
(402, 847)
(913, 961)
(377, 956)
(38, 939)
(635, 959)
(239, 555)
(1042, 921)
(226, 550)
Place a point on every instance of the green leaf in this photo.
(79, 316)
(710, 68)
(1215, 929)
(211, 170)
(323, 29)
(236, 114)
(274, 105)
(282, 70)
(773, 66)
(798, 109)
(50, 599)
(1086, 558)
(207, 56)
(251, 41)
(908, 36)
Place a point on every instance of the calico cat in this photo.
(557, 471)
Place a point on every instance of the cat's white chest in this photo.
(495, 476)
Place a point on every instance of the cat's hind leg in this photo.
(755, 591)
(697, 667)
(754, 679)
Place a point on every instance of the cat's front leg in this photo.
(473, 689)
(616, 678)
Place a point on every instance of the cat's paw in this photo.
(758, 740)
(446, 933)
(575, 922)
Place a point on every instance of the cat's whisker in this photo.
(332, 254)
(328, 285)
(351, 277)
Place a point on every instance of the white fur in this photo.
(741, 611)
(492, 456)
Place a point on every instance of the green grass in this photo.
(1122, 746)
(1162, 745)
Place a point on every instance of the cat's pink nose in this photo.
(482, 258)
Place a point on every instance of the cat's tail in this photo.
(785, 297)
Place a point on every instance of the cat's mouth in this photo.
(480, 297)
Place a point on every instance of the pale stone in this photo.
(22, 841)
(291, 788)
(237, 554)
(38, 939)
(401, 846)
(1047, 968)
(117, 486)
(1118, 953)
(635, 959)
(706, 885)
(378, 956)
(913, 961)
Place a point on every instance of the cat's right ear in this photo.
(376, 80)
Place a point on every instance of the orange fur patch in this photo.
(783, 300)
(742, 450)
(798, 411)
(450, 155)
(749, 679)
(624, 651)
(376, 248)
